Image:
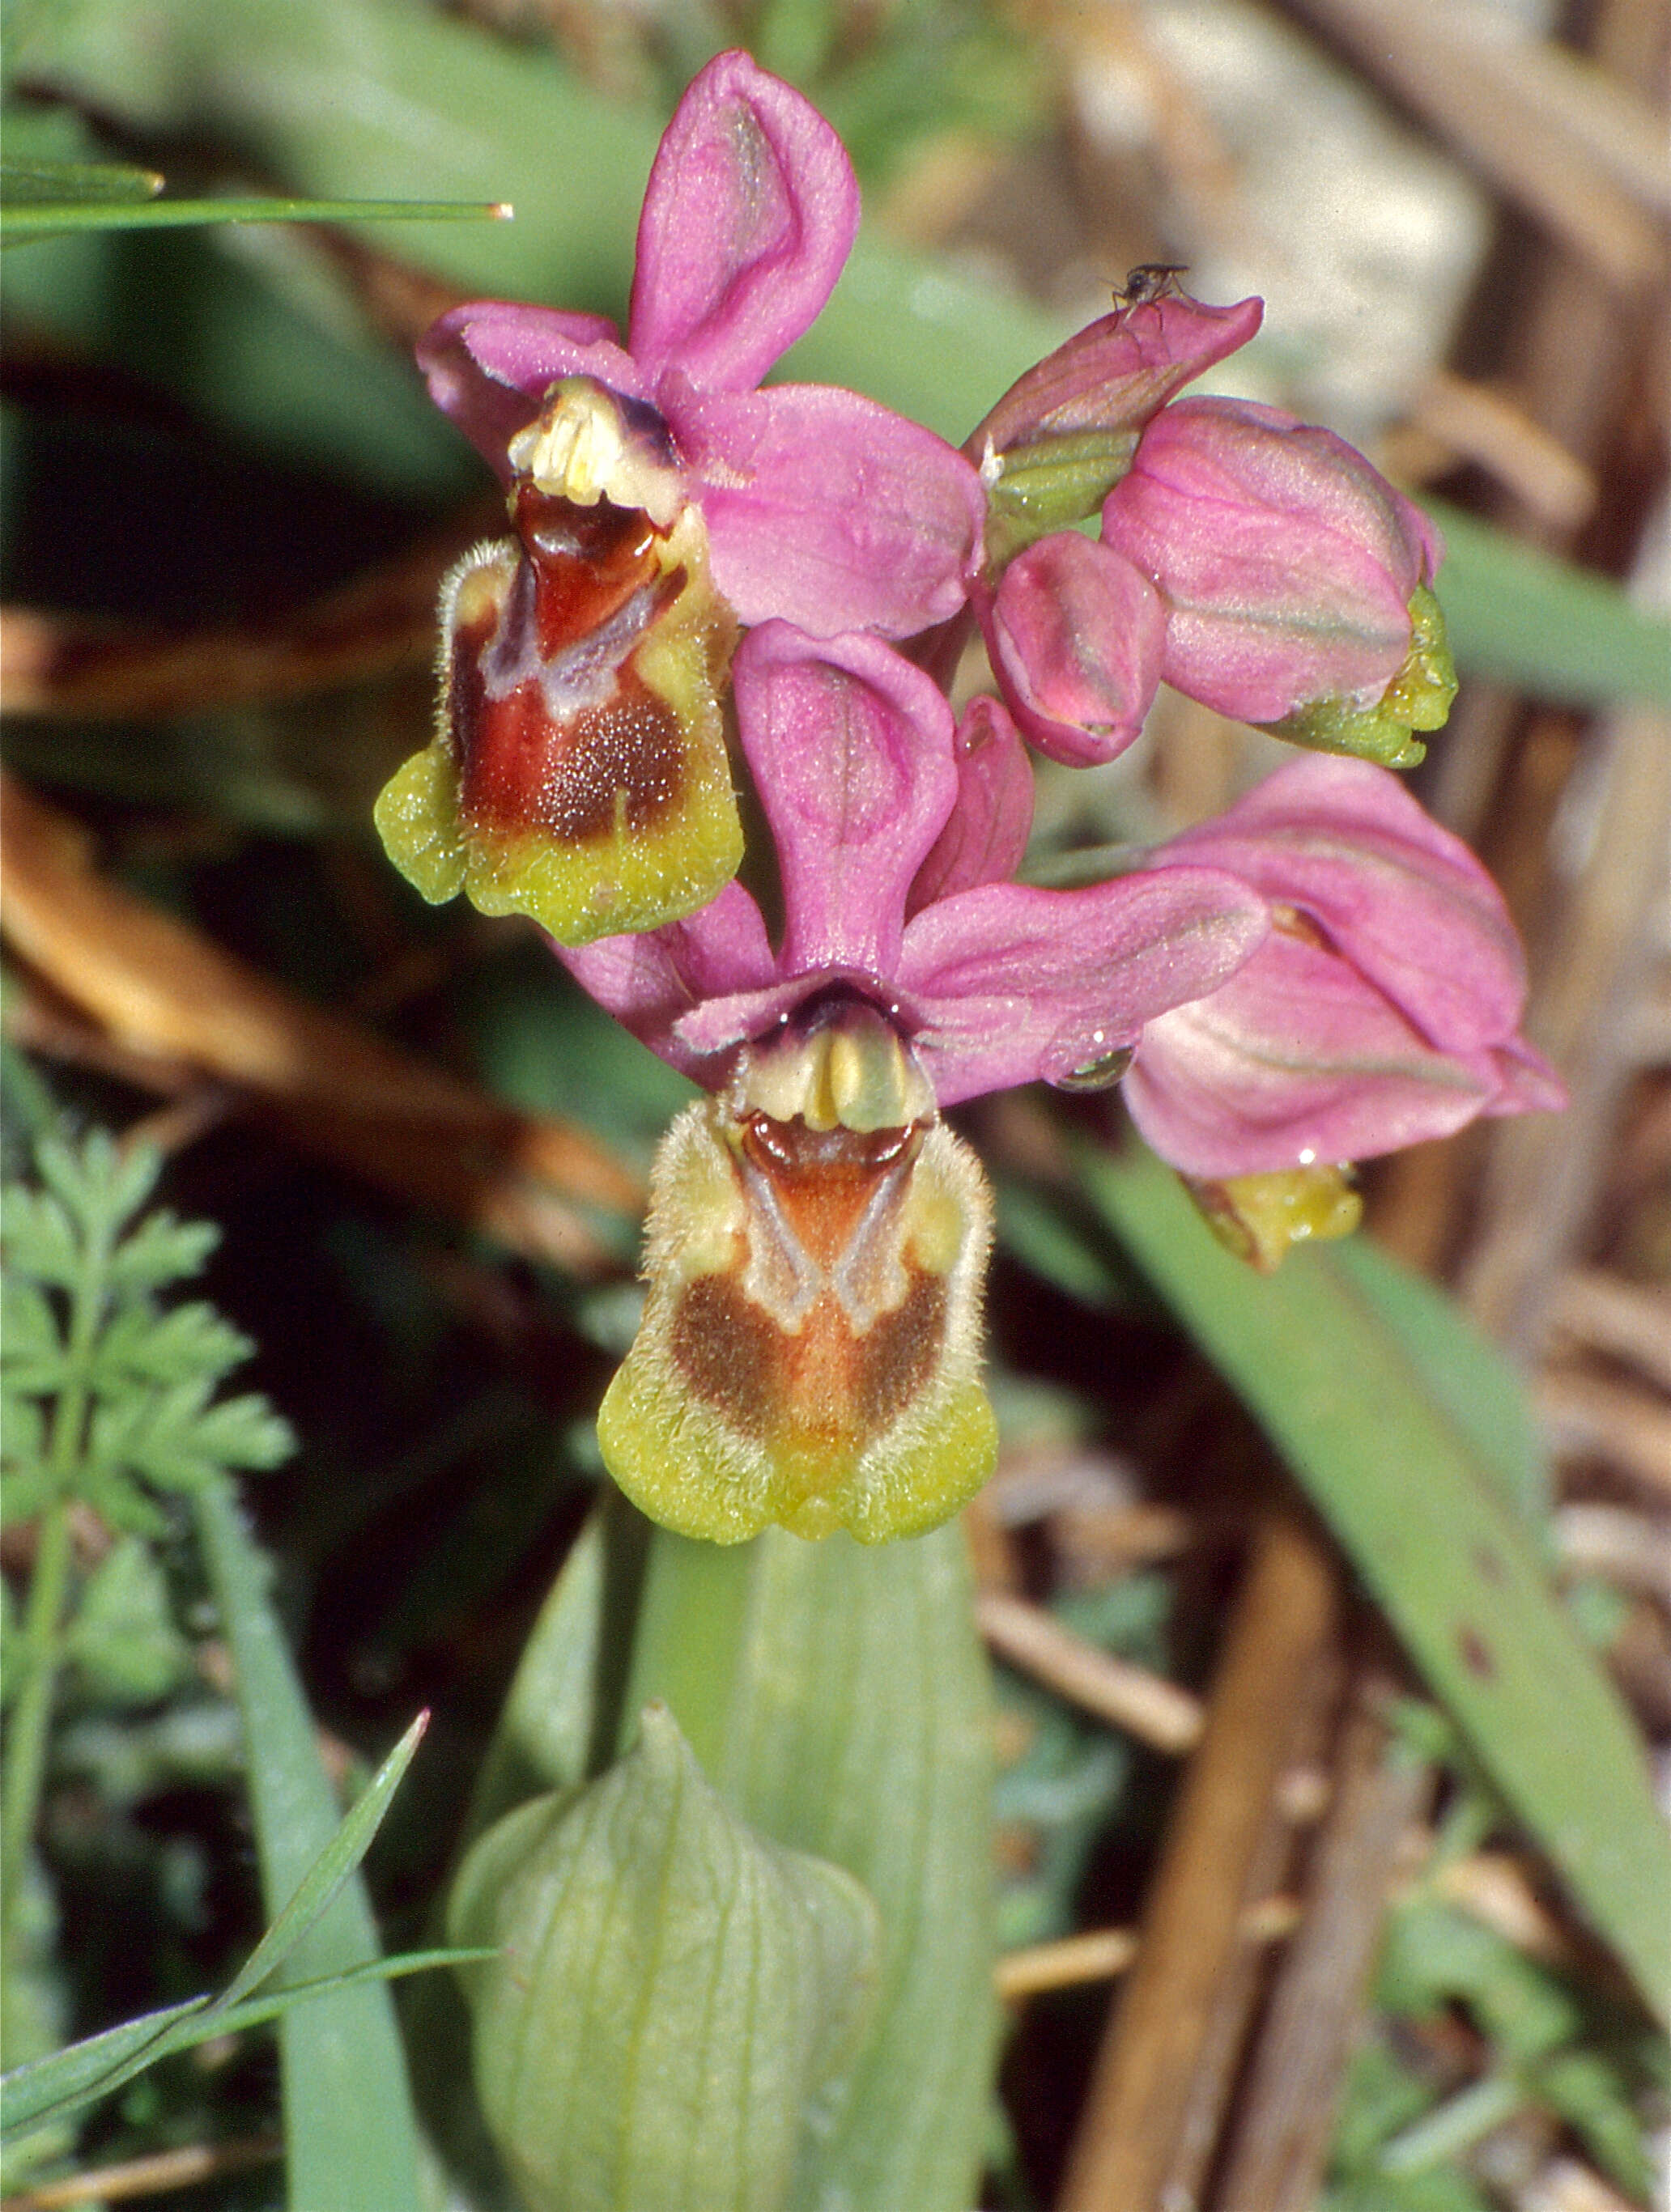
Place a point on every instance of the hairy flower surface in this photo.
(809, 1352)
(1382, 1009)
(819, 506)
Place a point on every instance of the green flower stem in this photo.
(49, 1588)
(688, 1639)
(25, 1758)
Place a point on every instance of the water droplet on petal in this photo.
(1100, 1072)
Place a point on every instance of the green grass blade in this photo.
(330, 1870)
(351, 2137)
(71, 184)
(52, 2088)
(1423, 1521)
(65, 2079)
(52, 218)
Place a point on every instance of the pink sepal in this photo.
(750, 211)
(986, 833)
(827, 509)
(1286, 562)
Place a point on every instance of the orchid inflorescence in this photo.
(702, 568)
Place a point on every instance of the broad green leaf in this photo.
(351, 2137)
(1401, 1485)
(1476, 1386)
(856, 1727)
(674, 2001)
(838, 1696)
(1519, 615)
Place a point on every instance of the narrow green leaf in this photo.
(52, 2089)
(1401, 1485)
(51, 219)
(351, 2137)
(324, 1880)
(67, 2079)
(71, 184)
(1517, 614)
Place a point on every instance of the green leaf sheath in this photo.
(841, 1697)
(1400, 1482)
(351, 2138)
(674, 1998)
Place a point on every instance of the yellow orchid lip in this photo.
(578, 773)
(811, 1334)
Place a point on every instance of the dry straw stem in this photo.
(72, 668)
(145, 2176)
(1285, 2124)
(1146, 1705)
(1576, 150)
(1610, 1314)
(1099, 1954)
(158, 990)
(1142, 2115)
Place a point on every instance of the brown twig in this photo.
(1285, 2122)
(160, 991)
(1145, 1704)
(1138, 2114)
(146, 2177)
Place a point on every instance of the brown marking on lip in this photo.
(622, 762)
(820, 1389)
(823, 1179)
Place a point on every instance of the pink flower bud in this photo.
(1293, 577)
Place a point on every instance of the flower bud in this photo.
(1293, 578)
(809, 1352)
(678, 2002)
(578, 772)
(1064, 433)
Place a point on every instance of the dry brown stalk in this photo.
(1138, 2119)
(1144, 1704)
(72, 666)
(159, 991)
(146, 2177)
(1285, 2122)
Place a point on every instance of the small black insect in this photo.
(1150, 280)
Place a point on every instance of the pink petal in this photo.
(987, 832)
(1286, 563)
(827, 509)
(1010, 982)
(489, 366)
(1399, 897)
(1117, 372)
(1297, 1060)
(648, 981)
(1077, 636)
(851, 748)
(748, 216)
